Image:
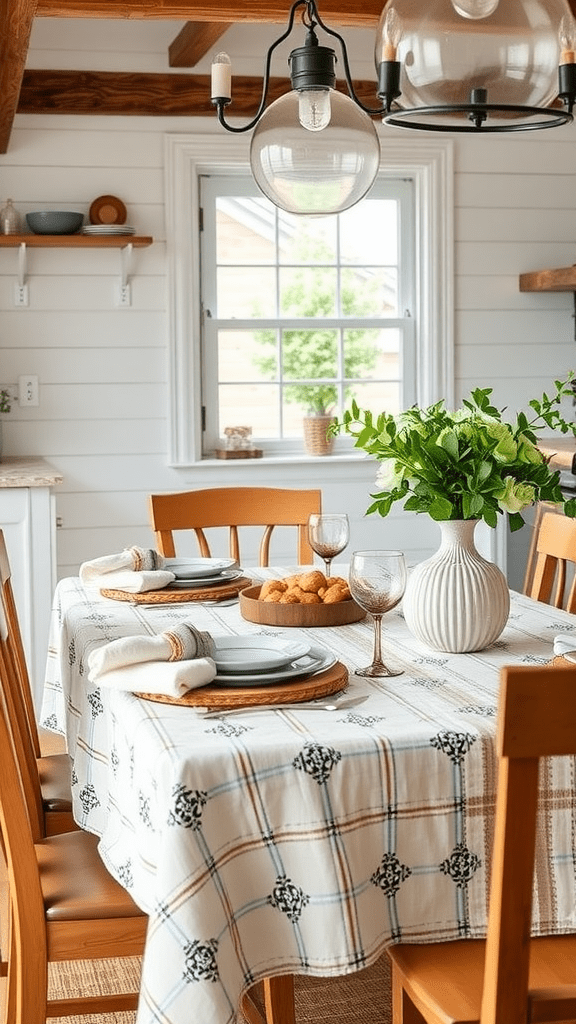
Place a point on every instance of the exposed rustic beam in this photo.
(135, 93)
(360, 13)
(194, 41)
(16, 18)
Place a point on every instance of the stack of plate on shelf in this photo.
(261, 660)
(201, 572)
(108, 229)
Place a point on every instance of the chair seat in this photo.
(449, 975)
(54, 771)
(75, 883)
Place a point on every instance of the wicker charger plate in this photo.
(221, 592)
(323, 684)
(270, 613)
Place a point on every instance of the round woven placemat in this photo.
(176, 596)
(320, 685)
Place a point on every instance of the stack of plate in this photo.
(261, 660)
(201, 572)
(108, 229)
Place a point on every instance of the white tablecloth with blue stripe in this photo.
(299, 842)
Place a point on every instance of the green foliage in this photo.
(5, 405)
(467, 464)
(311, 353)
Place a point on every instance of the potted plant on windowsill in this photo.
(317, 421)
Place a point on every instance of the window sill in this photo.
(292, 458)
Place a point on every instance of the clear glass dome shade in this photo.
(448, 48)
(315, 172)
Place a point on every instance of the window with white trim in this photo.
(191, 156)
(302, 314)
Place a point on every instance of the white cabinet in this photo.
(27, 518)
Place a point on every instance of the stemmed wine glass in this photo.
(328, 535)
(377, 583)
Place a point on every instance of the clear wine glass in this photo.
(377, 583)
(328, 535)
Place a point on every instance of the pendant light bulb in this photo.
(391, 33)
(567, 37)
(475, 9)
(314, 109)
(221, 73)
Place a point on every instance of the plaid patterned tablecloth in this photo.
(307, 841)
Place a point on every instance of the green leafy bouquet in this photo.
(467, 464)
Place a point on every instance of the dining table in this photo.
(275, 842)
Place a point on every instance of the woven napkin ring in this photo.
(144, 558)
(188, 642)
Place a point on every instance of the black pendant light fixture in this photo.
(477, 65)
(314, 150)
(443, 65)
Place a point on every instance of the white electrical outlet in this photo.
(21, 296)
(28, 390)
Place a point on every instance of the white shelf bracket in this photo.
(126, 254)
(21, 286)
(22, 268)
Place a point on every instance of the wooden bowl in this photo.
(271, 614)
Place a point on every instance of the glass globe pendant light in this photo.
(314, 150)
(477, 65)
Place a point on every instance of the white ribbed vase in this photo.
(456, 600)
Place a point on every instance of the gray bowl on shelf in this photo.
(54, 222)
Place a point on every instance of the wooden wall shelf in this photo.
(562, 280)
(124, 243)
(75, 241)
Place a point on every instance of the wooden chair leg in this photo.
(279, 1000)
(274, 1002)
(403, 1009)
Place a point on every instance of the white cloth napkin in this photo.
(135, 570)
(564, 642)
(171, 663)
(182, 643)
(169, 678)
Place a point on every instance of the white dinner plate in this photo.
(317, 659)
(205, 581)
(197, 568)
(249, 654)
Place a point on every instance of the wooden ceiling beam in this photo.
(16, 17)
(194, 41)
(340, 12)
(134, 93)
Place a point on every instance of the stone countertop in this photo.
(27, 471)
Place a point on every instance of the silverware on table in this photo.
(318, 705)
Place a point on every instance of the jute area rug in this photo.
(361, 998)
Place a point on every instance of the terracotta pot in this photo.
(316, 441)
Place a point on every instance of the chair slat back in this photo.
(13, 687)
(555, 555)
(232, 507)
(26, 903)
(537, 718)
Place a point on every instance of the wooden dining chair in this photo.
(554, 573)
(509, 978)
(46, 777)
(64, 904)
(233, 507)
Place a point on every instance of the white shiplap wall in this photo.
(102, 419)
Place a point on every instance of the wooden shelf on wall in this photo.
(562, 280)
(75, 241)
